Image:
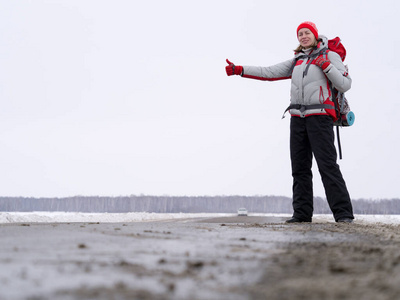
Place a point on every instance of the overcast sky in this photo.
(131, 97)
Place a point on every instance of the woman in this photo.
(311, 126)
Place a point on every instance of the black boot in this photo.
(345, 220)
(296, 220)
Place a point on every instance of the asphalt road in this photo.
(205, 258)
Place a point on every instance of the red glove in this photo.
(232, 69)
(322, 62)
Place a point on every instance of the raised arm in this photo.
(275, 72)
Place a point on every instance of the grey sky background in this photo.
(130, 97)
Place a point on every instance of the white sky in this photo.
(128, 97)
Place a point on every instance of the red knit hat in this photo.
(309, 25)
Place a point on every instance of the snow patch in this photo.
(72, 217)
(78, 217)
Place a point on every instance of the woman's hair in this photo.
(300, 47)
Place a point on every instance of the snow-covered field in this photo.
(72, 217)
(62, 217)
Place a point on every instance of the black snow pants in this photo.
(308, 136)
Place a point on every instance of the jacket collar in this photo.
(322, 44)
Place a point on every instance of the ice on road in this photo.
(179, 257)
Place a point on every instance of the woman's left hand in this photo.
(322, 62)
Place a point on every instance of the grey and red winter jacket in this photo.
(310, 85)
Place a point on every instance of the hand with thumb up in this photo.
(231, 69)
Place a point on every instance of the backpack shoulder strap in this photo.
(311, 57)
(293, 65)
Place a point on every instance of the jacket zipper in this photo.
(302, 81)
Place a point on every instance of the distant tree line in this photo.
(185, 204)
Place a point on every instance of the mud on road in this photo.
(362, 262)
(209, 258)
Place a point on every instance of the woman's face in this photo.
(306, 38)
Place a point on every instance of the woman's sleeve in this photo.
(275, 72)
(337, 73)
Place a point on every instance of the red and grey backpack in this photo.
(342, 114)
(345, 117)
